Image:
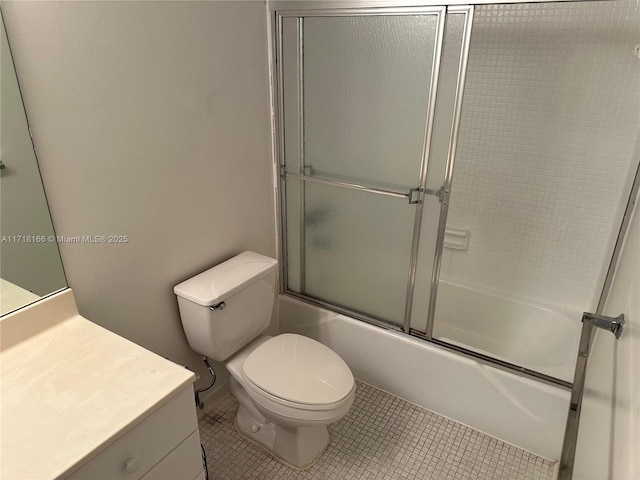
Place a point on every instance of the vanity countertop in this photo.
(69, 388)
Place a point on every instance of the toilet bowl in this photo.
(289, 387)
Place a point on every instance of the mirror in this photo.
(30, 264)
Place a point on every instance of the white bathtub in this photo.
(523, 412)
(532, 336)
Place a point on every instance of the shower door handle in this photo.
(415, 194)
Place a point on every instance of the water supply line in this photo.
(200, 403)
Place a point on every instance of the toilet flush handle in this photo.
(218, 306)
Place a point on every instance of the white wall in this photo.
(151, 120)
(625, 298)
(609, 434)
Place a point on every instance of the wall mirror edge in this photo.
(30, 263)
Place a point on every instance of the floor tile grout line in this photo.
(382, 437)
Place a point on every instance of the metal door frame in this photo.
(413, 195)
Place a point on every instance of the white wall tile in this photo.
(550, 118)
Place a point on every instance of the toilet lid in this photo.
(299, 369)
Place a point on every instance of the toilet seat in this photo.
(298, 372)
(297, 414)
(265, 398)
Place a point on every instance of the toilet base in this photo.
(299, 447)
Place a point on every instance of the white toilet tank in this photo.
(227, 306)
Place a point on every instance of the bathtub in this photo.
(532, 336)
(517, 410)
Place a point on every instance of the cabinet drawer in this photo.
(184, 462)
(133, 455)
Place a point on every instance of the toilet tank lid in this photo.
(222, 281)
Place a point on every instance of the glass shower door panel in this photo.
(365, 95)
(455, 33)
(355, 248)
(543, 169)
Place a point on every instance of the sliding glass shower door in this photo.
(545, 157)
(357, 97)
(500, 261)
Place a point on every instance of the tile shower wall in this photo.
(549, 124)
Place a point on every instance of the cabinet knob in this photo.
(132, 464)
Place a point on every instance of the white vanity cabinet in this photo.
(164, 446)
(80, 402)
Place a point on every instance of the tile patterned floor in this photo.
(382, 437)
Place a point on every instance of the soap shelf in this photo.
(456, 239)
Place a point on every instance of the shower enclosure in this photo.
(459, 173)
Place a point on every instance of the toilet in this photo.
(289, 387)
